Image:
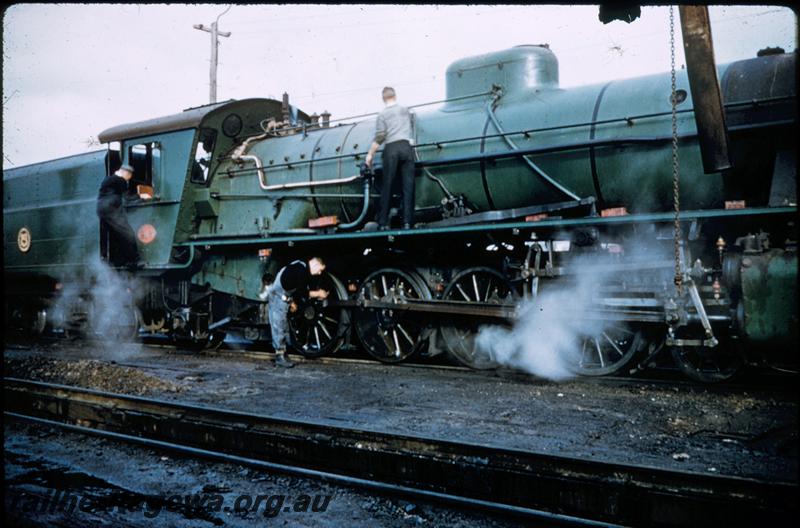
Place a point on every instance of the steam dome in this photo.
(519, 69)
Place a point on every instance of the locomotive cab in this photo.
(174, 160)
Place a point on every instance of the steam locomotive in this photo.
(518, 182)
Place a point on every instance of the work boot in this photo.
(406, 226)
(371, 226)
(281, 360)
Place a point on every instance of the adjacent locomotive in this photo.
(516, 177)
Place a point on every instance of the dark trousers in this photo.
(398, 158)
(122, 248)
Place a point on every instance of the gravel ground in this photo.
(92, 373)
(749, 433)
(122, 485)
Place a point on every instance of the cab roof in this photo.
(189, 118)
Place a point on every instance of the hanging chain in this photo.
(676, 189)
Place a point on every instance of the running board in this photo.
(509, 214)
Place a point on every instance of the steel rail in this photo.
(554, 488)
(543, 518)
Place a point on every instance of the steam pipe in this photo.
(366, 173)
(364, 208)
(296, 185)
(430, 175)
(262, 178)
(239, 158)
(535, 168)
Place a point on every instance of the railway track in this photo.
(543, 488)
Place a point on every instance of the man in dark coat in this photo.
(123, 250)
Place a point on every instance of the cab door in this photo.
(156, 190)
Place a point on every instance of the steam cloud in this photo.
(547, 337)
(107, 299)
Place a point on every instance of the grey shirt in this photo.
(393, 124)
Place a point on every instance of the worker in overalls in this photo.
(290, 283)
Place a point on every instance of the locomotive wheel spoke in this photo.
(463, 293)
(583, 353)
(324, 329)
(599, 353)
(710, 364)
(458, 335)
(405, 334)
(613, 344)
(383, 332)
(316, 337)
(307, 321)
(609, 352)
(396, 343)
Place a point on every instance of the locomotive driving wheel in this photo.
(121, 323)
(207, 341)
(474, 285)
(317, 329)
(214, 341)
(710, 364)
(609, 351)
(390, 335)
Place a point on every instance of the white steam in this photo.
(100, 303)
(547, 338)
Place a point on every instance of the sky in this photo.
(73, 70)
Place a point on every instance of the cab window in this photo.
(206, 141)
(146, 161)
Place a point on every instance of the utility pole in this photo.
(215, 34)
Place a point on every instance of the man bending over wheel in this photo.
(292, 280)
